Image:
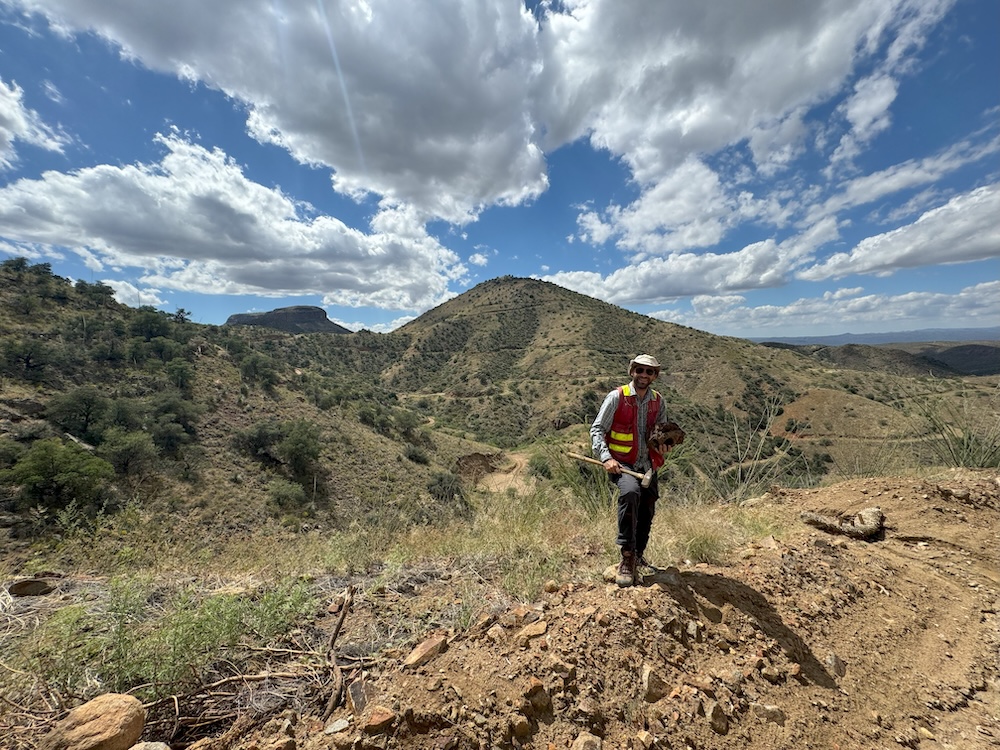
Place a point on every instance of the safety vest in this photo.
(622, 439)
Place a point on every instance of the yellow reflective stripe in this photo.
(624, 437)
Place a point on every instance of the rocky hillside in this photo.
(813, 640)
(807, 639)
(295, 540)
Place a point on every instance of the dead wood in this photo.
(337, 691)
(867, 524)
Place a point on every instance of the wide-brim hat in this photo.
(646, 360)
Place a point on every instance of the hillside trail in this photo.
(511, 476)
(812, 640)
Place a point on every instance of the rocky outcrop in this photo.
(297, 319)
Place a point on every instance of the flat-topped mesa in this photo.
(295, 319)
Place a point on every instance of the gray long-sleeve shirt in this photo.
(602, 423)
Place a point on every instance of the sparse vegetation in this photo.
(136, 636)
(960, 433)
(145, 449)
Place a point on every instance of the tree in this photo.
(150, 323)
(259, 368)
(259, 440)
(130, 453)
(41, 270)
(168, 435)
(406, 422)
(26, 357)
(173, 420)
(15, 265)
(79, 412)
(53, 474)
(181, 374)
(164, 349)
(125, 414)
(300, 447)
(97, 294)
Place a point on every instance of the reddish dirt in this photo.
(813, 641)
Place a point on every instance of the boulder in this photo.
(109, 722)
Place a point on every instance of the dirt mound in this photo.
(814, 641)
(474, 466)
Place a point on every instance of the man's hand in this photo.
(665, 436)
(612, 466)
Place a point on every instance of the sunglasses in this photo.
(644, 371)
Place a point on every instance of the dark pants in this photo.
(636, 508)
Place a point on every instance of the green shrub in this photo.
(961, 435)
(79, 412)
(300, 447)
(285, 494)
(154, 643)
(416, 454)
(538, 466)
(588, 484)
(52, 474)
(260, 369)
(130, 453)
(258, 440)
(446, 487)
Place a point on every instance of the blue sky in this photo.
(752, 169)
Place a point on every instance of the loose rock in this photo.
(109, 722)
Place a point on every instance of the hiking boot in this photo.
(626, 570)
(644, 565)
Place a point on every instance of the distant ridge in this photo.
(929, 349)
(892, 337)
(296, 319)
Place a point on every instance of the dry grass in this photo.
(694, 531)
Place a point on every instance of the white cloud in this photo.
(907, 175)
(52, 92)
(973, 306)
(593, 229)
(417, 104)
(758, 265)
(867, 111)
(378, 327)
(712, 306)
(964, 229)
(697, 79)
(686, 209)
(18, 123)
(844, 293)
(193, 221)
(129, 294)
(484, 89)
(776, 144)
(442, 111)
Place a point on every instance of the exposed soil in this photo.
(813, 641)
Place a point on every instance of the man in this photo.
(618, 437)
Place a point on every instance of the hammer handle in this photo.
(590, 460)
